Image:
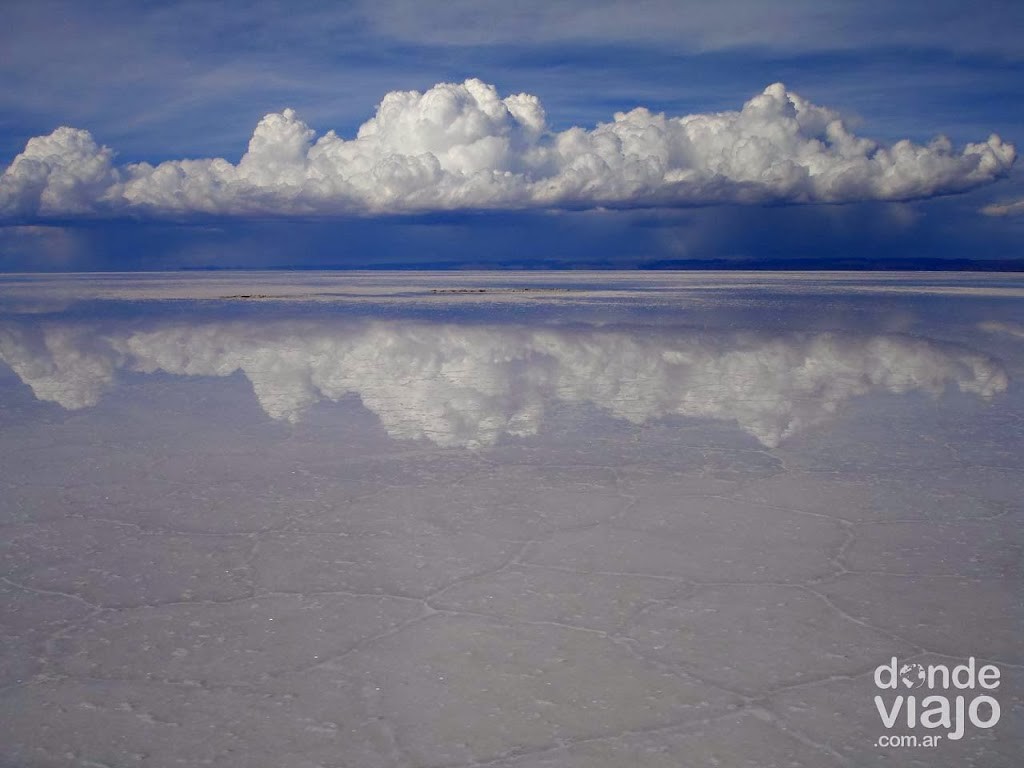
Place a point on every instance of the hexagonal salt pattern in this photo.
(485, 557)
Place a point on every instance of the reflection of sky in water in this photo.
(371, 517)
(468, 385)
(775, 355)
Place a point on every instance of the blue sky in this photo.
(164, 82)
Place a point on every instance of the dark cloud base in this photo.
(944, 233)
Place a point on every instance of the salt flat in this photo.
(505, 519)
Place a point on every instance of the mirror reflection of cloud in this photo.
(470, 385)
(1015, 330)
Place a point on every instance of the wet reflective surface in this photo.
(531, 519)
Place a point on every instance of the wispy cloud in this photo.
(463, 146)
(704, 25)
(1008, 208)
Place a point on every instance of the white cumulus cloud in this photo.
(463, 146)
(468, 386)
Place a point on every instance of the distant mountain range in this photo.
(881, 264)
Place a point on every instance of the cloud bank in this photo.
(463, 146)
(469, 386)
